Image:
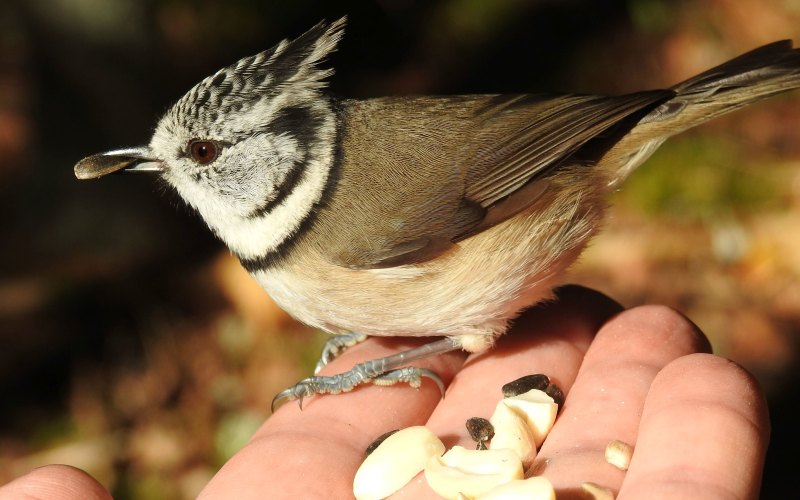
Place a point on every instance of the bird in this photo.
(425, 216)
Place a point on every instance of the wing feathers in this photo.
(557, 128)
(435, 170)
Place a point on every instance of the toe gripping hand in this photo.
(382, 371)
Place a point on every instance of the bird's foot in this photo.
(345, 382)
(336, 345)
(382, 371)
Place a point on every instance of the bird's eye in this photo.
(203, 152)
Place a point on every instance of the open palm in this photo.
(644, 376)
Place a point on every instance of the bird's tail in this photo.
(755, 75)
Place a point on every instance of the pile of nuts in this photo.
(515, 431)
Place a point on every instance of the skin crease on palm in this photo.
(699, 422)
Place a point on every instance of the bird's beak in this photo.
(121, 160)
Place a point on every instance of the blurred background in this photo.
(132, 345)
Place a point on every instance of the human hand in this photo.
(698, 422)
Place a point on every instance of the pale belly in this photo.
(471, 292)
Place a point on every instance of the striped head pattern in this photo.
(251, 146)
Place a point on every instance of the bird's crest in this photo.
(287, 72)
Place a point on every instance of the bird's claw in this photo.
(382, 371)
(345, 382)
(296, 391)
(410, 375)
(335, 346)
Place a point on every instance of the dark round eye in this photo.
(203, 151)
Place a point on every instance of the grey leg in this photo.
(382, 371)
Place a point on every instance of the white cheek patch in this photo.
(253, 238)
(256, 195)
(255, 174)
(252, 172)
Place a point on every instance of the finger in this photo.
(704, 433)
(54, 482)
(606, 401)
(315, 452)
(550, 339)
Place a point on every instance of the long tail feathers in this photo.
(755, 75)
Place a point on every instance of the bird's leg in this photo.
(336, 345)
(382, 371)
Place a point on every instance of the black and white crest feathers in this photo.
(291, 69)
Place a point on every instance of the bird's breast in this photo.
(472, 290)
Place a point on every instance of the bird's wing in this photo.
(523, 137)
(449, 168)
